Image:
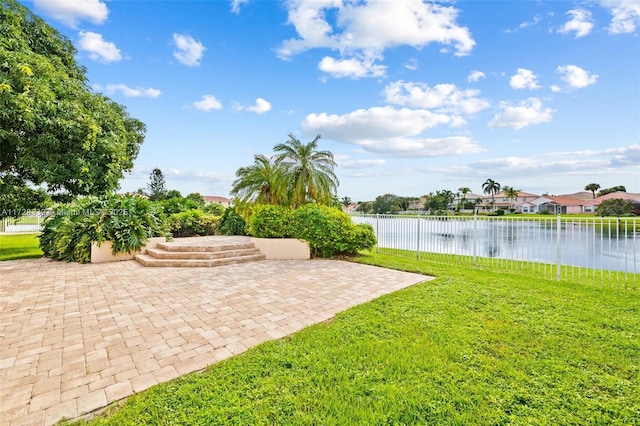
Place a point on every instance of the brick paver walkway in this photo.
(75, 338)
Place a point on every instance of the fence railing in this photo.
(28, 223)
(602, 251)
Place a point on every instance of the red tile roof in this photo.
(622, 195)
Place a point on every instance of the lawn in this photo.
(471, 347)
(19, 246)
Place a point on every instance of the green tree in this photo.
(618, 188)
(345, 201)
(593, 187)
(157, 186)
(196, 198)
(309, 172)
(511, 194)
(55, 133)
(263, 182)
(615, 207)
(491, 187)
(386, 203)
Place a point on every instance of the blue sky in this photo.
(410, 96)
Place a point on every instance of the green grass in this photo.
(535, 270)
(19, 246)
(471, 347)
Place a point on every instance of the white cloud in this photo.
(235, 5)
(525, 24)
(625, 15)
(129, 92)
(441, 97)
(353, 68)
(411, 64)
(576, 77)
(524, 79)
(188, 51)
(581, 22)
(98, 49)
(260, 107)
(522, 115)
(475, 75)
(390, 131)
(71, 12)
(208, 103)
(555, 88)
(373, 26)
(360, 164)
(573, 162)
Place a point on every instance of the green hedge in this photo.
(126, 221)
(193, 223)
(271, 221)
(329, 231)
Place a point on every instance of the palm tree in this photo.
(309, 172)
(346, 201)
(492, 187)
(511, 194)
(464, 191)
(262, 182)
(593, 187)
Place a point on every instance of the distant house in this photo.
(634, 198)
(501, 201)
(214, 199)
(559, 205)
(351, 208)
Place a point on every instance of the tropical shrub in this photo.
(177, 205)
(330, 231)
(127, 221)
(193, 222)
(213, 208)
(232, 223)
(615, 207)
(271, 221)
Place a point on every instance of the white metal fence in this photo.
(28, 223)
(604, 251)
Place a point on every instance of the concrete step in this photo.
(148, 260)
(169, 246)
(170, 254)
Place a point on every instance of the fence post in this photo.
(475, 237)
(558, 247)
(418, 239)
(377, 234)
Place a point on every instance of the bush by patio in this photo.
(193, 223)
(328, 231)
(126, 221)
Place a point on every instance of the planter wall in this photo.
(282, 248)
(102, 253)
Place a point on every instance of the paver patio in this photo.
(75, 338)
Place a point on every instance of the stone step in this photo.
(148, 260)
(170, 254)
(169, 246)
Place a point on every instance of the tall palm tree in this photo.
(309, 172)
(464, 191)
(593, 187)
(492, 187)
(262, 182)
(511, 194)
(346, 201)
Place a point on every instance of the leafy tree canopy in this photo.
(619, 188)
(56, 135)
(615, 207)
(157, 186)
